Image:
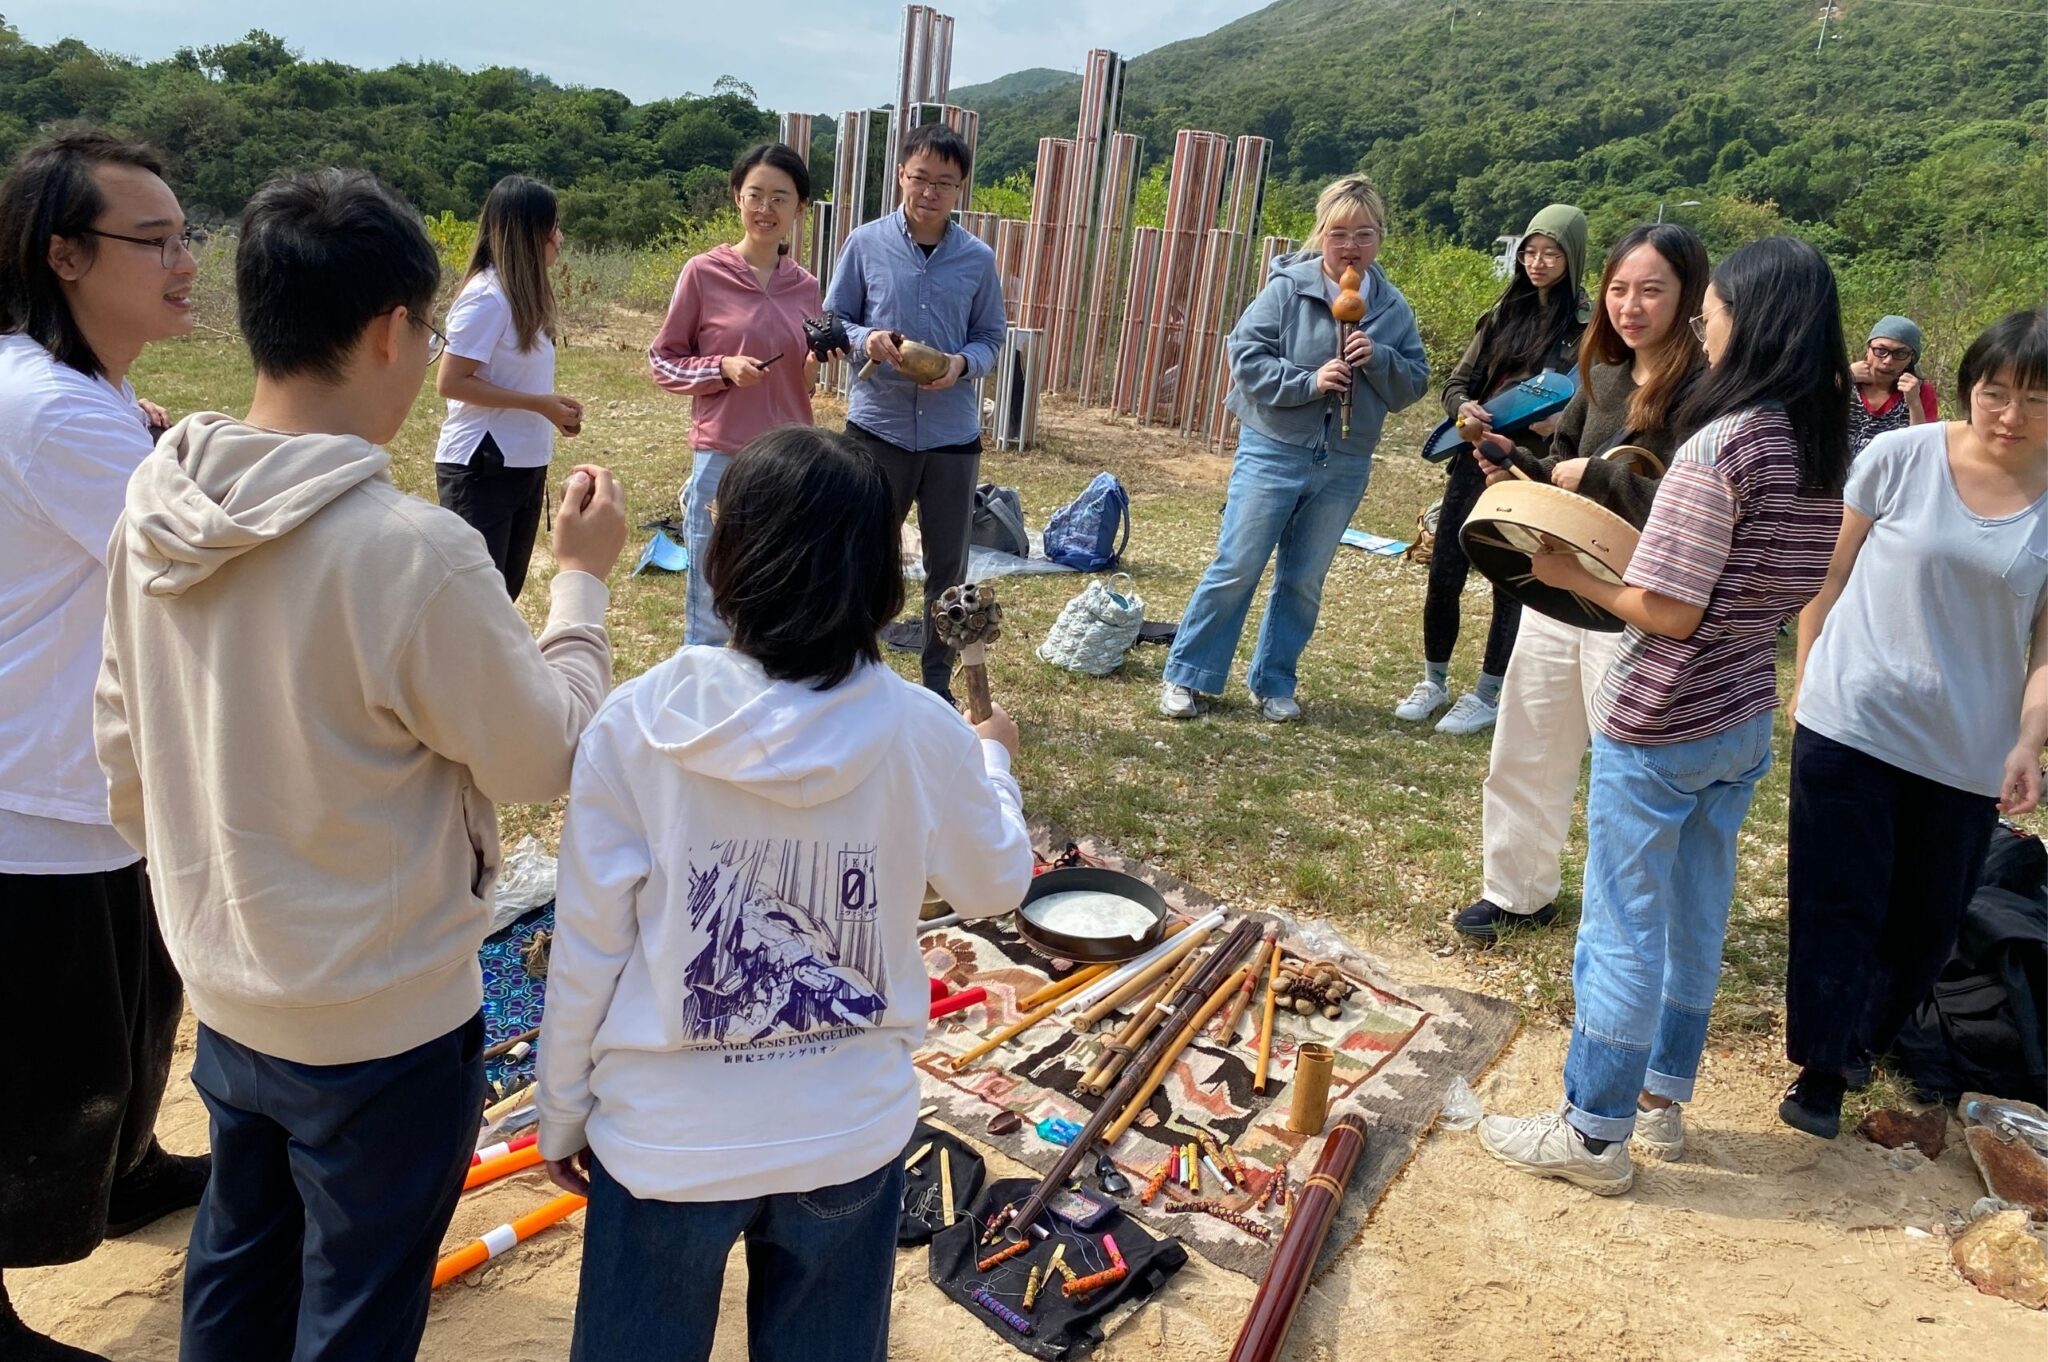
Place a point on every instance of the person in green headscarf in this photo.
(1535, 326)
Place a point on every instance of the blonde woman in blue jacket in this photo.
(1298, 477)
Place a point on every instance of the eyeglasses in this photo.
(437, 343)
(167, 247)
(1699, 326)
(1997, 401)
(1542, 257)
(1364, 236)
(1889, 353)
(755, 200)
(920, 185)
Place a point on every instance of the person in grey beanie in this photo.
(1890, 394)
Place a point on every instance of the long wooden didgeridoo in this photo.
(1147, 1017)
(1198, 986)
(1164, 1062)
(1286, 1281)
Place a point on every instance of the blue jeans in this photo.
(820, 1269)
(1660, 872)
(332, 1186)
(700, 623)
(1282, 497)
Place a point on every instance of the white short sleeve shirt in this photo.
(480, 328)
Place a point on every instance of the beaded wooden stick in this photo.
(1001, 1311)
(1228, 1217)
(1003, 1255)
(1154, 1183)
(1109, 1276)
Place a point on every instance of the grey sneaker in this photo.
(1426, 699)
(1547, 1147)
(1279, 709)
(1178, 702)
(1660, 1131)
(1470, 715)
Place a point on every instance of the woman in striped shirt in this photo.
(1739, 538)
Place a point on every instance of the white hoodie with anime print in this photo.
(736, 985)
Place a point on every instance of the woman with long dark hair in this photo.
(1923, 707)
(1739, 538)
(1534, 326)
(498, 374)
(733, 341)
(1635, 366)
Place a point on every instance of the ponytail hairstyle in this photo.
(776, 156)
(1676, 360)
(1785, 349)
(512, 238)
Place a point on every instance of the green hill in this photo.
(1018, 84)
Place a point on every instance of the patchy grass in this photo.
(1352, 816)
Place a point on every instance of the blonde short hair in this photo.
(1342, 198)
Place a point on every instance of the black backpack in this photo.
(1981, 1027)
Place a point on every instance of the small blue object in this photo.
(1379, 545)
(1513, 409)
(1054, 1130)
(662, 554)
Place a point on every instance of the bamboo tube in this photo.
(1007, 1034)
(1266, 1028)
(1141, 1026)
(511, 1103)
(1312, 1064)
(1060, 988)
(504, 1166)
(1130, 969)
(499, 1240)
(1172, 1052)
(1226, 1030)
(1145, 978)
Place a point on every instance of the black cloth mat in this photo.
(924, 1211)
(1060, 1328)
(905, 636)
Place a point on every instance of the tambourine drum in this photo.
(1514, 520)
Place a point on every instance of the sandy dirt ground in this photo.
(1760, 1244)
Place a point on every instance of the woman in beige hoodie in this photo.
(314, 690)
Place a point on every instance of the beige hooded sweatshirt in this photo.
(314, 690)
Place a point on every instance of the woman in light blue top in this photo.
(1922, 710)
(1300, 472)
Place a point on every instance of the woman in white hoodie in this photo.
(736, 986)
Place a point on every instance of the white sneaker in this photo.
(1426, 699)
(1470, 715)
(1548, 1147)
(1661, 1131)
(1279, 709)
(1178, 702)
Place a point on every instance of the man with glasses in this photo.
(1890, 394)
(916, 275)
(93, 268)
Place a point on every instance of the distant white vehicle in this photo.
(1504, 263)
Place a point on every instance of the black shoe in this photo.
(1814, 1104)
(1859, 1076)
(19, 1343)
(160, 1185)
(1485, 920)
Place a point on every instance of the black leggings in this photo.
(1448, 568)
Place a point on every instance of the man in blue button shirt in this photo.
(915, 275)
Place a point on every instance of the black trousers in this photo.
(91, 998)
(332, 1186)
(502, 504)
(1448, 568)
(1882, 865)
(940, 483)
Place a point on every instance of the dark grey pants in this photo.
(503, 504)
(940, 483)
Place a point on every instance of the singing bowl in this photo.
(1091, 950)
(1514, 520)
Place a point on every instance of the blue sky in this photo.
(814, 56)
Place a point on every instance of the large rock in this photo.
(1893, 1129)
(2012, 1170)
(2000, 1257)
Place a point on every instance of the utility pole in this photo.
(1827, 12)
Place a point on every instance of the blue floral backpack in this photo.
(1090, 532)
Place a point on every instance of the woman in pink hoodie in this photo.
(734, 342)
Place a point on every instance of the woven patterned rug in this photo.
(513, 997)
(1397, 1049)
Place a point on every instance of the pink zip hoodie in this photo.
(720, 309)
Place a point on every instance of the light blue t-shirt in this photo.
(1923, 660)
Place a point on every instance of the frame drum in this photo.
(1516, 519)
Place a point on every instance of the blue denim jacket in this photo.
(1288, 333)
(951, 301)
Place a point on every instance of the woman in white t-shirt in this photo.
(1922, 710)
(498, 374)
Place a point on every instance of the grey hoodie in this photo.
(313, 689)
(1288, 333)
(736, 984)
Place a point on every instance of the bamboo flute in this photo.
(1020, 1026)
(1146, 978)
(1198, 985)
(1060, 988)
(1166, 1056)
(1286, 1280)
(1226, 1030)
(1140, 1026)
(1266, 1028)
(1131, 969)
